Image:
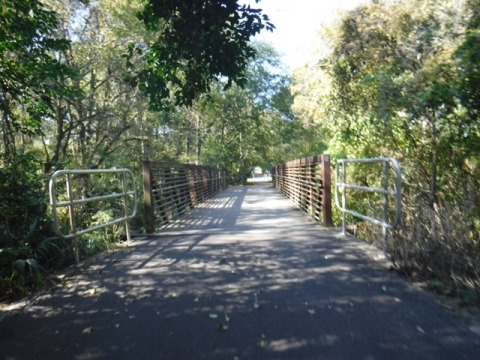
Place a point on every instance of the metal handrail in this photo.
(397, 194)
(71, 202)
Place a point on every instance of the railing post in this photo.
(71, 212)
(273, 173)
(344, 198)
(385, 207)
(312, 188)
(327, 190)
(191, 186)
(204, 183)
(148, 196)
(225, 179)
(125, 200)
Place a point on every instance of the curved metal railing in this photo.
(396, 193)
(128, 191)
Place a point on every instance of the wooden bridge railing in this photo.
(307, 183)
(170, 190)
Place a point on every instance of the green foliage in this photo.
(197, 42)
(402, 81)
(238, 128)
(467, 55)
(22, 200)
(26, 243)
(29, 71)
(102, 239)
(24, 268)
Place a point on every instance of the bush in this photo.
(27, 243)
(440, 246)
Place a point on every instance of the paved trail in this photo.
(245, 276)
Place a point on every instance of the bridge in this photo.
(243, 274)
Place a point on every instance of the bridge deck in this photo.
(245, 276)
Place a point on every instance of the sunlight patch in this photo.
(287, 344)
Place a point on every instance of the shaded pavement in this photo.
(244, 276)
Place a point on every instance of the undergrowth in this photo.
(29, 249)
(438, 247)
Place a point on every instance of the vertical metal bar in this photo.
(315, 193)
(125, 206)
(223, 174)
(71, 213)
(148, 196)
(277, 177)
(327, 190)
(53, 201)
(273, 171)
(385, 207)
(344, 198)
(191, 186)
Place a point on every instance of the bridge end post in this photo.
(148, 196)
(327, 190)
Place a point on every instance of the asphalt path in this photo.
(244, 276)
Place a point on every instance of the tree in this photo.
(197, 42)
(29, 71)
(392, 72)
(402, 81)
(467, 56)
(111, 117)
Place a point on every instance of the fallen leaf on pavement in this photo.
(90, 291)
(420, 330)
(222, 327)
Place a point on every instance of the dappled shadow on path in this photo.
(232, 211)
(265, 292)
(219, 212)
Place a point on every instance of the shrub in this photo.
(27, 244)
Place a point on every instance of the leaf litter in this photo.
(87, 330)
(223, 327)
(261, 341)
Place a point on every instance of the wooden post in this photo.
(327, 190)
(148, 196)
